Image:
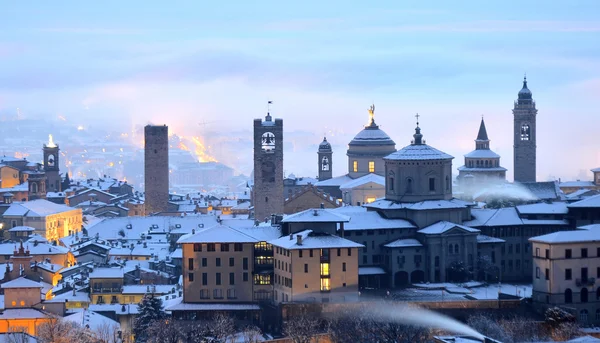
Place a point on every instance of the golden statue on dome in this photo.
(372, 114)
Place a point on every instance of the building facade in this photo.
(156, 168)
(268, 192)
(525, 136)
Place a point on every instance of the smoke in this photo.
(415, 316)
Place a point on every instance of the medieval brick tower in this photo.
(325, 156)
(51, 166)
(156, 168)
(268, 167)
(525, 136)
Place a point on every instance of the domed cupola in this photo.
(525, 93)
(325, 146)
(367, 149)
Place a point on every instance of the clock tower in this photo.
(51, 166)
(267, 194)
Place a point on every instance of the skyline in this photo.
(184, 64)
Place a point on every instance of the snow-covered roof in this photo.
(181, 306)
(506, 216)
(312, 240)
(371, 135)
(316, 215)
(545, 190)
(577, 184)
(22, 313)
(107, 273)
(590, 227)
(544, 208)
(36, 208)
(116, 308)
(143, 289)
(23, 337)
(335, 181)
(68, 296)
(21, 283)
(371, 271)
(593, 201)
(361, 219)
(218, 234)
(563, 237)
(39, 249)
(385, 204)
(21, 229)
(444, 226)
(483, 153)
(55, 194)
(404, 243)
(418, 152)
(477, 170)
(94, 321)
(482, 239)
(261, 233)
(363, 180)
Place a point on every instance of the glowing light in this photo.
(111, 164)
(50, 142)
(80, 128)
(103, 150)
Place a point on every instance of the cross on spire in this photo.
(417, 116)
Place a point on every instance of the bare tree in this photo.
(57, 330)
(565, 331)
(17, 334)
(251, 334)
(302, 328)
(165, 331)
(222, 327)
(108, 333)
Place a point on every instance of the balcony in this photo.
(585, 282)
(108, 290)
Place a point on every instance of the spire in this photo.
(418, 136)
(482, 135)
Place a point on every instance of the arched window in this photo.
(477, 163)
(409, 185)
(456, 248)
(268, 142)
(584, 295)
(583, 316)
(525, 132)
(34, 187)
(450, 248)
(325, 164)
(568, 296)
(391, 180)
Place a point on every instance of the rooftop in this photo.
(36, 208)
(21, 283)
(361, 219)
(404, 243)
(363, 180)
(385, 204)
(107, 273)
(563, 237)
(218, 234)
(444, 226)
(418, 152)
(310, 240)
(316, 215)
(593, 201)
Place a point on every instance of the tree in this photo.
(457, 271)
(66, 182)
(17, 334)
(302, 328)
(562, 324)
(222, 327)
(165, 331)
(251, 334)
(57, 330)
(150, 309)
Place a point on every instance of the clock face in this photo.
(51, 160)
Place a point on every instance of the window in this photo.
(339, 252)
(325, 285)
(568, 253)
(324, 269)
(224, 247)
(537, 272)
(584, 295)
(204, 262)
(568, 296)
(584, 253)
(231, 262)
(447, 183)
(391, 183)
(300, 253)
(537, 252)
(371, 166)
(268, 142)
(245, 263)
(262, 279)
(197, 247)
(409, 187)
(437, 261)
(238, 247)
(456, 248)
(218, 293)
(204, 294)
(306, 268)
(218, 279)
(190, 264)
(355, 166)
(547, 253)
(204, 279)
(598, 250)
(349, 252)
(191, 277)
(218, 262)
(210, 247)
(344, 266)
(311, 253)
(525, 131)
(325, 164)
(568, 274)
(432, 184)
(370, 199)
(232, 278)
(584, 274)
(547, 273)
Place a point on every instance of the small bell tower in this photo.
(51, 166)
(325, 160)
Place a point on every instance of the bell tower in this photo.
(267, 195)
(525, 136)
(325, 159)
(51, 166)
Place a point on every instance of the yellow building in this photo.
(9, 176)
(20, 297)
(106, 285)
(51, 221)
(315, 267)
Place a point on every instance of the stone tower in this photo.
(51, 166)
(525, 136)
(325, 160)
(156, 168)
(268, 167)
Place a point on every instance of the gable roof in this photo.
(445, 226)
(363, 180)
(218, 234)
(36, 208)
(593, 201)
(314, 240)
(316, 215)
(561, 237)
(21, 283)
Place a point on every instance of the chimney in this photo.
(291, 236)
(299, 239)
(73, 289)
(193, 231)
(322, 205)
(315, 212)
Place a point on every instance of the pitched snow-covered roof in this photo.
(444, 226)
(593, 201)
(544, 208)
(371, 271)
(546, 190)
(181, 306)
(21, 229)
(94, 321)
(261, 233)
(39, 249)
(335, 181)
(218, 234)
(361, 219)
(385, 204)
(316, 215)
(418, 152)
(483, 153)
(506, 216)
(143, 289)
(404, 243)
(312, 240)
(577, 184)
(363, 180)
(482, 239)
(107, 273)
(563, 237)
(36, 208)
(22, 313)
(590, 227)
(21, 283)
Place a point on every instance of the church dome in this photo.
(525, 93)
(372, 135)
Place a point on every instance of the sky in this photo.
(126, 63)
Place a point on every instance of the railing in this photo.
(107, 290)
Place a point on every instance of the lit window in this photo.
(324, 269)
(355, 166)
(325, 285)
(371, 166)
(370, 199)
